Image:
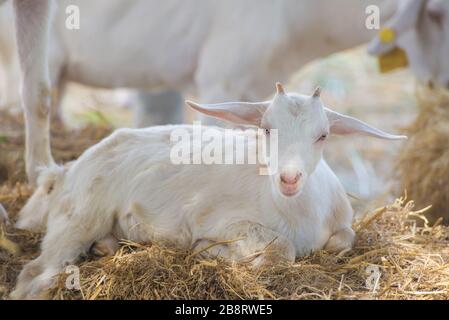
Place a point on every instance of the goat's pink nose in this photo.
(290, 178)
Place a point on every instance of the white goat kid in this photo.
(127, 186)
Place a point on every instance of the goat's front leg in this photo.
(341, 240)
(105, 247)
(248, 241)
(152, 109)
(32, 27)
(340, 223)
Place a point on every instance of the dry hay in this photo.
(413, 263)
(423, 164)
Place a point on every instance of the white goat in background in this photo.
(126, 186)
(421, 28)
(215, 50)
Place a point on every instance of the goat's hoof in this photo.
(341, 240)
(105, 247)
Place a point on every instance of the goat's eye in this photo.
(323, 137)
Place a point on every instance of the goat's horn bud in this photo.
(280, 88)
(317, 93)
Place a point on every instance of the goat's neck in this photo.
(291, 210)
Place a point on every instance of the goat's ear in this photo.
(236, 112)
(345, 125)
(404, 19)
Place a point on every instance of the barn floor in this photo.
(393, 258)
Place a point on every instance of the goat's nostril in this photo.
(290, 178)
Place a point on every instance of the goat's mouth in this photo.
(289, 189)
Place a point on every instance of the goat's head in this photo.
(303, 125)
(421, 28)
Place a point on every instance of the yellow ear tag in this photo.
(387, 35)
(394, 59)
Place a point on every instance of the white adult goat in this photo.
(127, 186)
(215, 49)
(173, 44)
(421, 28)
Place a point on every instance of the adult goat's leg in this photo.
(32, 28)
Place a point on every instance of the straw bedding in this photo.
(412, 263)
